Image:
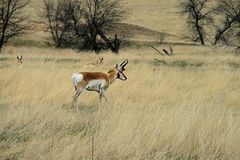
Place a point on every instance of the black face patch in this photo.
(118, 76)
(121, 76)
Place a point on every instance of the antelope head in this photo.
(20, 59)
(100, 60)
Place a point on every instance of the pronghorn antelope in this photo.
(97, 63)
(100, 60)
(97, 81)
(20, 59)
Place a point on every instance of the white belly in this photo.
(94, 85)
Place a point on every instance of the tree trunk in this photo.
(201, 39)
(200, 33)
(2, 41)
(94, 43)
(58, 44)
(113, 46)
(1, 45)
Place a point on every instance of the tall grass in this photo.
(161, 111)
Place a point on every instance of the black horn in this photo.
(124, 63)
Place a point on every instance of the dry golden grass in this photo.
(188, 109)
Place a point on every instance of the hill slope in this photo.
(145, 22)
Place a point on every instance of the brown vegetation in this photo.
(185, 109)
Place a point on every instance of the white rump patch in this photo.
(76, 77)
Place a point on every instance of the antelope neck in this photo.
(112, 77)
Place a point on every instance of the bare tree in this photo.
(229, 10)
(199, 15)
(101, 16)
(11, 19)
(61, 16)
(86, 23)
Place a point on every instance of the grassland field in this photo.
(182, 107)
(185, 109)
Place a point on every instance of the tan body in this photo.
(89, 80)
